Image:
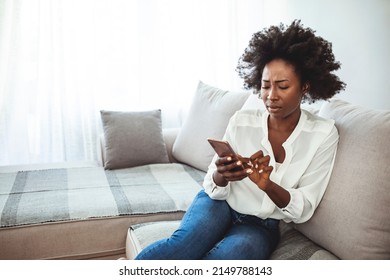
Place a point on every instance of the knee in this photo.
(257, 245)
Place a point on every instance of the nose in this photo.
(272, 94)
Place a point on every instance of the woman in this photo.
(286, 154)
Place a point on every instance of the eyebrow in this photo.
(278, 81)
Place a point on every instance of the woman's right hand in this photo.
(229, 168)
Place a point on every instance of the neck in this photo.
(286, 124)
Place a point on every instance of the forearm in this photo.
(277, 194)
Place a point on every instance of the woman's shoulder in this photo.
(315, 122)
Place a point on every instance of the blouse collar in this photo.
(296, 131)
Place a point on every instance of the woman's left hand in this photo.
(261, 170)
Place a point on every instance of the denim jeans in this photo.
(211, 230)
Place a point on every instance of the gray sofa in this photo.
(352, 220)
(115, 208)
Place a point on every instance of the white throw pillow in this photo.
(209, 114)
(254, 102)
(352, 220)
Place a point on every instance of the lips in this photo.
(273, 108)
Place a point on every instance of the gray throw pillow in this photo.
(208, 117)
(133, 139)
(352, 220)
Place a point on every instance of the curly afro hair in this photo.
(311, 56)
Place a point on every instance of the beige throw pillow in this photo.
(208, 117)
(352, 220)
(133, 139)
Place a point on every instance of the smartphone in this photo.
(222, 148)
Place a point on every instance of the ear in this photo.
(306, 88)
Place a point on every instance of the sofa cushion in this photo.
(208, 117)
(54, 213)
(141, 235)
(293, 245)
(352, 219)
(133, 139)
(52, 195)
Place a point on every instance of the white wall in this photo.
(359, 32)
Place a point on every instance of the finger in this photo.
(258, 154)
(264, 161)
(268, 168)
(266, 171)
(230, 167)
(223, 160)
(236, 175)
(243, 159)
(246, 162)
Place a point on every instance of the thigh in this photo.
(245, 242)
(203, 225)
(205, 214)
(205, 222)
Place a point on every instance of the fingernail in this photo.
(229, 158)
(239, 163)
(249, 171)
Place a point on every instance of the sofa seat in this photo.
(81, 213)
(292, 246)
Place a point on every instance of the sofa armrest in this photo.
(101, 151)
(169, 136)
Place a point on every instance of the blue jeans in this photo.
(211, 230)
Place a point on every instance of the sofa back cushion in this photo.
(208, 117)
(352, 220)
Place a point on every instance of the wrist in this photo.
(219, 180)
(266, 186)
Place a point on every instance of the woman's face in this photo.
(281, 89)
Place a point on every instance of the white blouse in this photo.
(305, 172)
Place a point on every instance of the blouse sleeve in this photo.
(214, 191)
(311, 187)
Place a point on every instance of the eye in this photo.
(265, 85)
(283, 87)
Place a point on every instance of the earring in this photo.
(306, 88)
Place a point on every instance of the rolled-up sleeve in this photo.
(312, 185)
